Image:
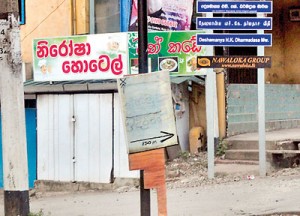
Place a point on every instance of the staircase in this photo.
(281, 152)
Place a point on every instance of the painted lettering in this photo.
(185, 46)
(156, 47)
(103, 64)
(65, 48)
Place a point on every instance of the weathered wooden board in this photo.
(147, 111)
(153, 164)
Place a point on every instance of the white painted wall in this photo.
(181, 95)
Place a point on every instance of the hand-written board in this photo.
(147, 111)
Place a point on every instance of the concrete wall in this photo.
(180, 96)
(286, 44)
(282, 107)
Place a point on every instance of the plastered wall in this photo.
(286, 45)
(197, 106)
(52, 18)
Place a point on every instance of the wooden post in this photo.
(153, 164)
(15, 170)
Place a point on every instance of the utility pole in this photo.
(15, 166)
(143, 68)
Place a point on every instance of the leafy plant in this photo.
(40, 213)
(184, 155)
(222, 147)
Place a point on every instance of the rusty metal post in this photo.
(143, 68)
(15, 170)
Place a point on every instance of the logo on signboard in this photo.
(234, 61)
(204, 62)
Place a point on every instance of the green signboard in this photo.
(174, 51)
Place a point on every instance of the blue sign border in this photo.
(237, 40)
(230, 23)
(234, 7)
(22, 11)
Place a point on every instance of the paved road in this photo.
(247, 197)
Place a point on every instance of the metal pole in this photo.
(210, 113)
(92, 17)
(143, 68)
(261, 112)
(209, 94)
(15, 170)
(143, 36)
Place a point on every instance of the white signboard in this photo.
(147, 111)
(101, 56)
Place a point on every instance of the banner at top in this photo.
(234, 6)
(113, 55)
(164, 15)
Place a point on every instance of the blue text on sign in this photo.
(226, 23)
(234, 7)
(234, 40)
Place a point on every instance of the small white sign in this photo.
(147, 111)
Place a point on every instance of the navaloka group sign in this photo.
(110, 56)
(234, 61)
(147, 111)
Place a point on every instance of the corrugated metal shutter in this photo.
(79, 150)
(93, 137)
(55, 137)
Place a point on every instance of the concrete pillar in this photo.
(221, 101)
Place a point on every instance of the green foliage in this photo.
(184, 155)
(222, 147)
(40, 213)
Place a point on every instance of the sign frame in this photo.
(234, 61)
(231, 40)
(225, 7)
(235, 23)
(148, 115)
(80, 57)
(178, 47)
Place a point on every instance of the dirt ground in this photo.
(235, 190)
(191, 171)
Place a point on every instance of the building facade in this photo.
(63, 18)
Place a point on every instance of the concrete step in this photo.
(242, 154)
(270, 145)
(253, 155)
(245, 162)
(285, 158)
(235, 128)
(249, 144)
(242, 144)
(281, 146)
